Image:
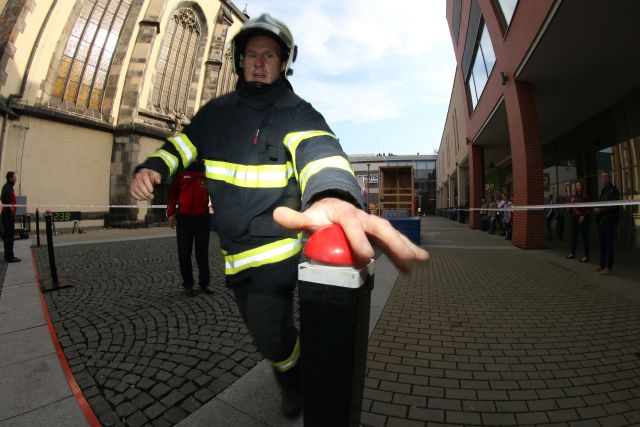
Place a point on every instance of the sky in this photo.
(380, 72)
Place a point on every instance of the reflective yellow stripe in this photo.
(169, 159)
(316, 166)
(293, 139)
(267, 254)
(252, 176)
(187, 150)
(290, 361)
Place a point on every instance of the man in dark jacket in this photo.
(273, 167)
(607, 217)
(8, 215)
(188, 210)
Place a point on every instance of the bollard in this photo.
(52, 258)
(335, 300)
(37, 228)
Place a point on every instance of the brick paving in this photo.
(488, 334)
(142, 352)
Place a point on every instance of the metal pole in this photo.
(37, 228)
(52, 257)
(366, 202)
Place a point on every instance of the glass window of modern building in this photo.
(483, 62)
(507, 8)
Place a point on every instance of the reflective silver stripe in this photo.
(316, 166)
(186, 149)
(253, 176)
(293, 139)
(169, 159)
(290, 361)
(267, 254)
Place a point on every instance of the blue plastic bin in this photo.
(409, 226)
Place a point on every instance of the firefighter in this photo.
(188, 210)
(273, 167)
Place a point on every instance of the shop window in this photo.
(87, 56)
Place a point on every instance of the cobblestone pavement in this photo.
(143, 352)
(487, 334)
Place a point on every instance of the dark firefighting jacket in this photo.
(262, 149)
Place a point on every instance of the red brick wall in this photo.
(476, 184)
(510, 48)
(526, 160)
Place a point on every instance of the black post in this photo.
(52, 257)
(334, 330)
(37, 228)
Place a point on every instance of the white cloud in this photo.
(364, 61)
(358, 103)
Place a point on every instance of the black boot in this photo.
(291, 391)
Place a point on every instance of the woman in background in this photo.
(579, 222)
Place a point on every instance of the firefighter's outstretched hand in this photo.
(357, 225)
(141, 187)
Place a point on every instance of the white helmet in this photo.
(268, 26)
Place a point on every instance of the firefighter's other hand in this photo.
(356, 224)
(141, 187)
(171, 219)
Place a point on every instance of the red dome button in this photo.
(329, 245)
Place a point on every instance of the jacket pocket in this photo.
(265, 226)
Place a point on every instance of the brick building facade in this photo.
(549, 97)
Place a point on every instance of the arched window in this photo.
(227, 77)
(176, 62)
(87, 56)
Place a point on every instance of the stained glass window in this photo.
(82, 74)
(176, 62)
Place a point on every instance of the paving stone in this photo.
(429, 415)
(172, 399)
(403, 422)
(190, 404)
(204, 395)
(155, 410)
(498, 419)
(531, 418)
(175, 415)
(374, 420)
(110, 419)
(137, 419)
(389, 409)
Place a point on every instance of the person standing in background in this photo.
(579, 222)
(188, 211)
(8, 215)
(548, 218)
(607, 217)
